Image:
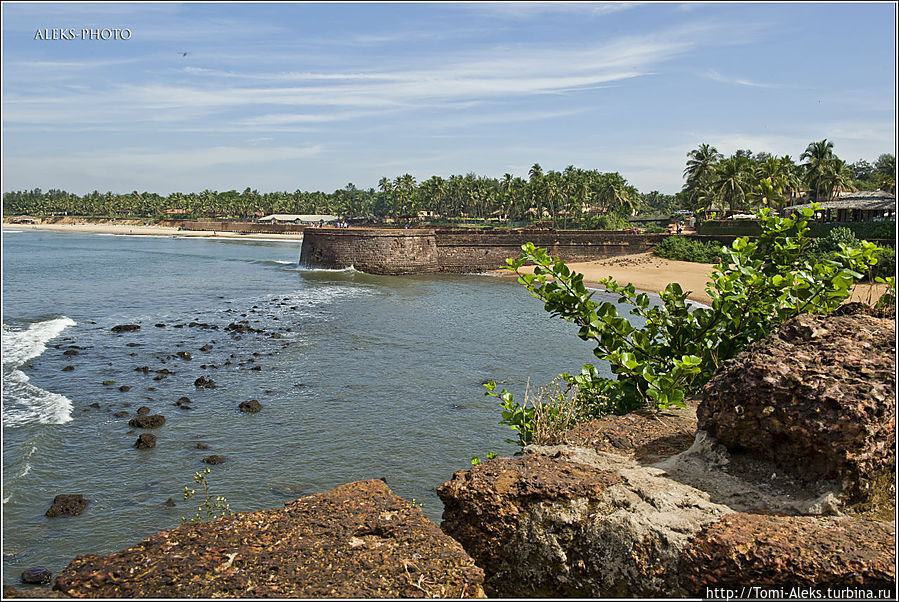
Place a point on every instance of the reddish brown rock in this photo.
(570, 522)
(790, 551)
(356, 541)
(643, 436)
(817, 397)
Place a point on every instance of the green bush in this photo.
(681, 248)
(757, 285)
(863, 230)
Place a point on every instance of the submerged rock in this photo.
(356, 541)
(145, 441)
(204, 382)
(125, 328)
(67, 505)
(250, 406)
(36, 575)
(214, 459)
(147, 421)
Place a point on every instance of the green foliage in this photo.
(681, 248)
(655, 229)
(731, 227)
(862, 230)
(211, 508)
(757, 285)
(828, 246)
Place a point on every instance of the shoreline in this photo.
(143, 230)
(648, 273)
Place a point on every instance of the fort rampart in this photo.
(409, 251)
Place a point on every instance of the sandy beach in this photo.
(652, 274)
(142, 230)
(646, 271)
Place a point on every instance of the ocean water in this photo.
(359, 376)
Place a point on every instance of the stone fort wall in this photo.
(412, 251)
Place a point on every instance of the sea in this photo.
(358, 376)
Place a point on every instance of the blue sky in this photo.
(312, 96)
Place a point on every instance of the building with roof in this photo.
(286, 218)
(860, 206)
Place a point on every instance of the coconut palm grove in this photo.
(571, 198)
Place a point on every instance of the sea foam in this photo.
(24, 403)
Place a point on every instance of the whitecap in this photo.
(23, 402)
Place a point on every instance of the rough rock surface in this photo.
(67, 505)
(358, 540)
(36, 575)
(125, 327)
(817, 396)
(568, 521)
(145, 441)
(147, 421)
(643, 436)
(790, 551)
(250, 407)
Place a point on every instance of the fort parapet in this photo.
(413, 251)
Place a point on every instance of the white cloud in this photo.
(715, 76)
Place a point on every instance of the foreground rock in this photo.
(805, 415)
(67, 505)
(36, 575)
(790, 551)
(572, 522)
(356, 541)
(816, 397)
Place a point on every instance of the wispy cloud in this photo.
(715, 76)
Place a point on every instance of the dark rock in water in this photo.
(160, 325)
(147, 422)
(251, 406)
(179, 326)
(159, 377)
(108, 383)
(356, 541)
(257, 368)
(202, 446)
(793, 551)
(185, 355)
(204, 382)
(206, 347)
(144, 369)
(145, 441)
(151, 388)
(133, 345)
(94, 405)
(182, 400)
(67, 505)
(120, 414)
(125, 327)
(143, 411)
(124, 388)
(215, 459)
(68, 368)
(170, 502)
(816, 397)
(36, 575)
(70, 352)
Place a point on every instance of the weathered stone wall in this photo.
(243, 227)
(381, 251)
(374, 251)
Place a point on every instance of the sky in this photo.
(314, 96)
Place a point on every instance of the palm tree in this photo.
(820, 163)
(731, 184)
(700, 173)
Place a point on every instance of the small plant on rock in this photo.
(211, 508)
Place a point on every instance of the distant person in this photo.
(679, 228)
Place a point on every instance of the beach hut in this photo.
(860, 206)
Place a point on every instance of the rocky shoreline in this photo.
(780, 475)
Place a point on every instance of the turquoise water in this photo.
(365, 377)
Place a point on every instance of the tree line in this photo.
(744, 180)
(573, 197)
